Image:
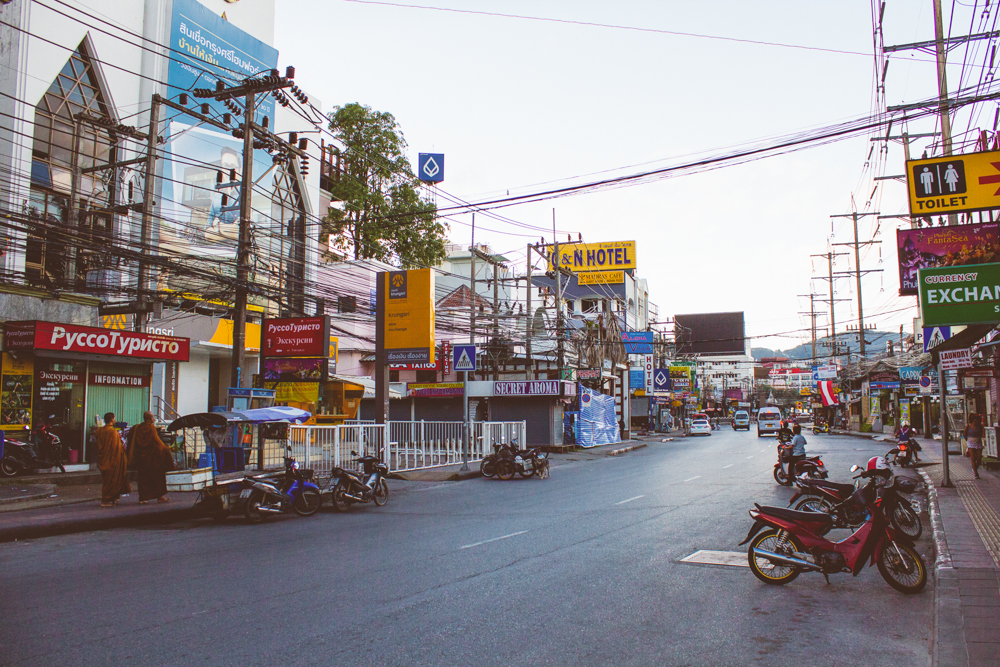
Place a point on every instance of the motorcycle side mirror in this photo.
(855, 468)
(354, 452)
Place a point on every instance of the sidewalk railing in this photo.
(403, 446)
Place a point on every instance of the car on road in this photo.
(768, 421)
(741, 420)
(700, 427)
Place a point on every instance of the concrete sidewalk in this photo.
(966, 523)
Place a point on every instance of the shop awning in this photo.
(366, 382)
(223, 336)
(965, 338)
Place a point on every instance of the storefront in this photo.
(69, 376)
(539, 403)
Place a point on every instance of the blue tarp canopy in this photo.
(255, 416)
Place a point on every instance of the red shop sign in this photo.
(107, 380)
(93, 340)
(296, 337)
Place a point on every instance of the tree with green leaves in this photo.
(384, 216)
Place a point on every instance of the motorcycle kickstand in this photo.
(827, 577)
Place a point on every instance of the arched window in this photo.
(286, 238)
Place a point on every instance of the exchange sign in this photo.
(954, 184)
(960, 295)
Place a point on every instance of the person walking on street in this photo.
(151, 458)
(112, 462)
(973, 435)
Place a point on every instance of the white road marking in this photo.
(691, 479)
(503, 537)
(731, 558)
(622, 502)
(750, 457)
(728, 466)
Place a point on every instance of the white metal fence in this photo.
(402, 445)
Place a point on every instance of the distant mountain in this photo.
(874, 340)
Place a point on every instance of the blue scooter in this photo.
(295, 492)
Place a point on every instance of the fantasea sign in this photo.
(926, 248)
(579, 257)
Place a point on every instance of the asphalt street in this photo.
(578, 569)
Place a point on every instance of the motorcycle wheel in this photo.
(9, 466)
(527, 473)
(381, 493)
(340, 502)
(780, 477)
(505, 469)
(902, 568)
(813, 504)
(252, 511)
(906, 521)
(765, 570)
(488, 467)
(308, 502)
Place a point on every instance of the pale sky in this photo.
(524, 105)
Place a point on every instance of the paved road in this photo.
(579, 569)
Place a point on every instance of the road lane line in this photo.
(503, 537)
(728, 466)
(750, 457)
(622, 502)
(691, 479)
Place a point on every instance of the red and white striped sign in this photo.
(826, 392)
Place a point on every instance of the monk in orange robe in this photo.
(112, 462)
(151, 458)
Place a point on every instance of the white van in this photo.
(768, 421)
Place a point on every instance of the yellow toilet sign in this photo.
(954, 184)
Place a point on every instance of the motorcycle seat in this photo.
(795, 515)
(845, 489)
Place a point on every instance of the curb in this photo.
(942, 558)
(69, 527)
(625, 450)
(38, 491)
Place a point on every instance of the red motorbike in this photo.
(792, 543)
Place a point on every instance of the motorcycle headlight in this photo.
(295, 465)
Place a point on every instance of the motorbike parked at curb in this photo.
(294, 491)
(792, 543)
(42, 449)
(347, 486)
(525, 462)
(811, 466)
(488, 467)
(838, 501)
(820, 427)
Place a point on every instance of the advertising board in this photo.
(926, 248)
(601, 278)
(194, 218)
(954, 183)
(710, 333)
(638, 342)
(296, 337)
(435, 389)
(952, 360)
(614, 255)
(93, 340)
(405, 317)
(960, 295)
(291, 369)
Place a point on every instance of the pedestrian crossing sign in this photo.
(465, 357)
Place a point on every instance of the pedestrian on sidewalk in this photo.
(112, 462)
(973, 435)
(151, 458)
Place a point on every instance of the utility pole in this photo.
(812, 319)
(496, 319)
(467, 427)
(942, 73)
(528, 363)
(145, 242)
(857, 270)
(559, 306)
(829, 257)
(252, 134)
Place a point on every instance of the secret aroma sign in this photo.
(92, 340)
(296, 337)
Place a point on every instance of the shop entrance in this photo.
(59, 394)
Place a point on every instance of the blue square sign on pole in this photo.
(464, 357)
(430, 167)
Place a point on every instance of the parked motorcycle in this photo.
(292, 492)
(347, 486)
(821, 427)
(811, 466)
(792, 543)
(488, 467)
(838, 501)
(42, 449)
(526, 462)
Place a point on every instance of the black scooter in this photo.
(347, 486)
(43, 449)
